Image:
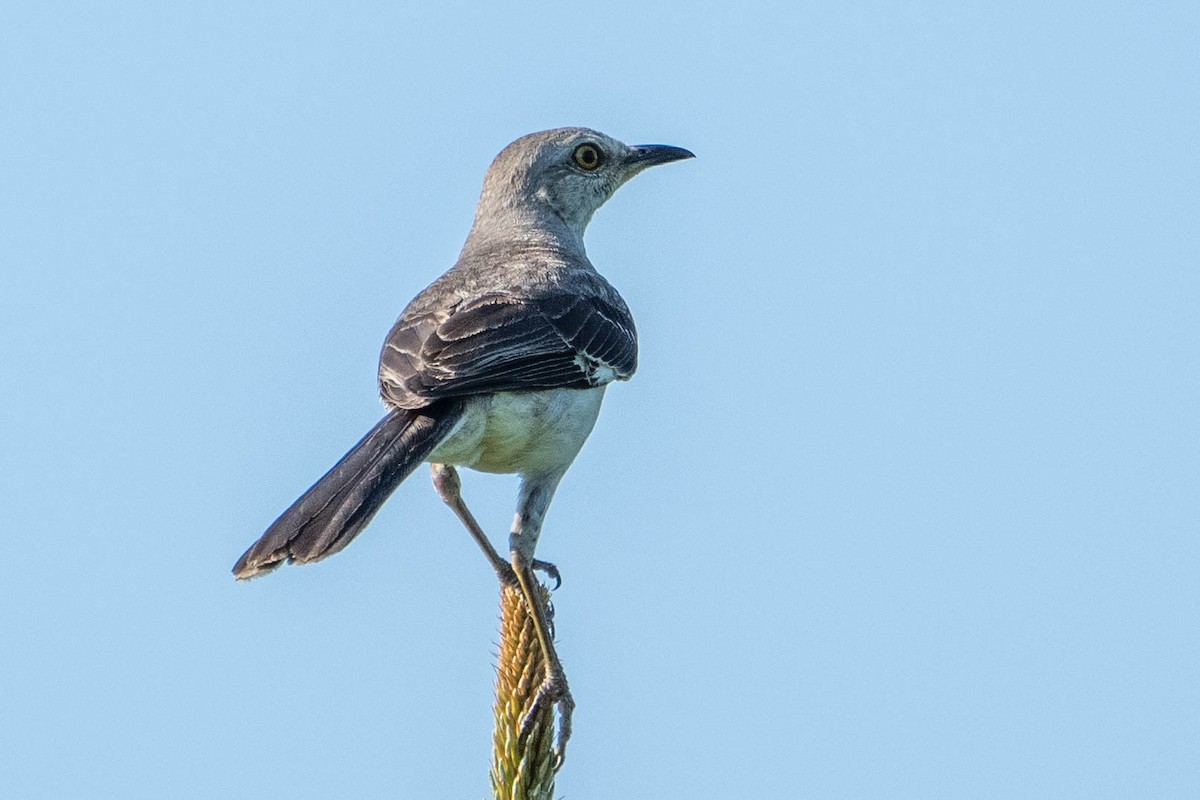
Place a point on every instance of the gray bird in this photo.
(499, 365)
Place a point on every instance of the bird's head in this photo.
(568, 172)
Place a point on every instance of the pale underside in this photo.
(532, 433)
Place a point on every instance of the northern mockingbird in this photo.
(499, 365)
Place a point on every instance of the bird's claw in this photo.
(550, 570)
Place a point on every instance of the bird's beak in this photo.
(649, 155)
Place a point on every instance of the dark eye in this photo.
(587, 156)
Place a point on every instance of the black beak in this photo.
(649, 155)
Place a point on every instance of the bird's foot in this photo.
(509, 578)
(553, 691)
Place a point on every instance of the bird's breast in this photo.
(537, 432)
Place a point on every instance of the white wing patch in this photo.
(598, 372)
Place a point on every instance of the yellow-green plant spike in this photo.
(521, 769)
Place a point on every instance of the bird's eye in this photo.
(587, 156)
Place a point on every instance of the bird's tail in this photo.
(344, 500)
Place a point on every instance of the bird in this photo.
(499, 365)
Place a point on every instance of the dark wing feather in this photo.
(498, 343)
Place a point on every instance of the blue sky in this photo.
(902, 502)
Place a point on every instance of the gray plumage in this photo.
(501, 363)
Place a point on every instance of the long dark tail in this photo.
(338, 506)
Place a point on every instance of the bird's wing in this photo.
(498, 342)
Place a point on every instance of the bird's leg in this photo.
(535, 495)
(449, 488)
(554, 687)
